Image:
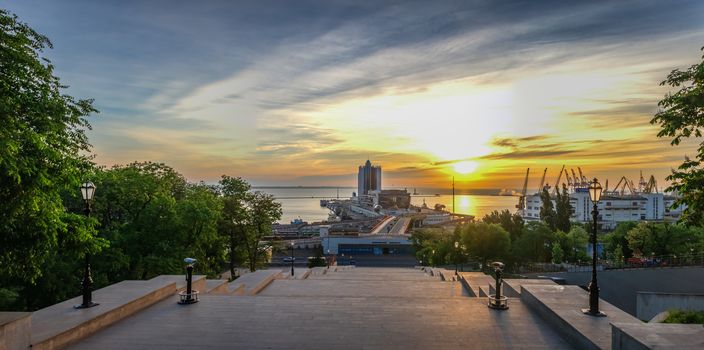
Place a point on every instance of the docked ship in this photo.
(624, 202)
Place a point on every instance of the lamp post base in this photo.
(595, 314)
(500, 303)
(86, 306)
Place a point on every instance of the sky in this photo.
(303, 92)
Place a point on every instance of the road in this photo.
(401, 225)
(381, 229)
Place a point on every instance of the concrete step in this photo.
(15, 330)
(298, 274)
(363, 289)
(318, 271)
(198, 281)
(478, 282)
(253, 283)
(561, 307)
(216, 286)
(61, 324)
(512, 286)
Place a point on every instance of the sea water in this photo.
(304, 202)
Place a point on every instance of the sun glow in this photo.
(465, 167)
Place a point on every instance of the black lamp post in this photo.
(87, 192)
(457, 252)
(292, 258)
(593, 310)
(328, 258)
(433, 258)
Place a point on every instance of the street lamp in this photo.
(433, 258)
(328, 258)
(595, 196)
(457, 247)
(87, 192)
(292, 258)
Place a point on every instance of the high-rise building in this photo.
(368, 178)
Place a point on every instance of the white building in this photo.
(612, 209)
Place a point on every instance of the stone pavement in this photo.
(364, 308)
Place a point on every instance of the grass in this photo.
(685, 316)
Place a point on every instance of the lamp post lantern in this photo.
(593, 310)
(292, 258)
(87, 192)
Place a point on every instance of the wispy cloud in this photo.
(275, 90)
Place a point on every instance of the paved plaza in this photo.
(363, 308)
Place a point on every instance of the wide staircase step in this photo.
(216, 286)
(253, 283)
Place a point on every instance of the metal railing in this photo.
(671, 260)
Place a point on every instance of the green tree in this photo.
(557, 254)
(137, 207)
(574, 244)
(486, 241)
(616, 255)
(535, 243)
(318, 260)
(618, 238)
(511, 222)
(547, 211)
(262, 211)
(198, 214)
(232, 225)
(681, 116)
(641, 240)
(41, 152)
(563, 210)
(432, 245)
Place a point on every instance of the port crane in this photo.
(585, 182)
(569, 180)
(575, 180)
(542, 180)
(522, 198)
(624, 184)
(557, 183)
(651, 186)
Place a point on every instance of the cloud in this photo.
(275, 89)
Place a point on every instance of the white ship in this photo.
(624, 202)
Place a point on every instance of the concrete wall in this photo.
(15, 330)
(619, 287)
(649, 304)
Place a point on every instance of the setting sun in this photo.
(465, 167)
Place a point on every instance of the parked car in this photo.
(289, 259)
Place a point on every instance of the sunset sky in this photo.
(302, 92)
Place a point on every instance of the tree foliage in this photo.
(647, 239)
(512, 223)
(486, 241)
(557, 254)
(535, 243)
(547, 210)
(618, 239)
(574, 243)
(42, 142)
(682, 116)
(246, 218)
(563, 210)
